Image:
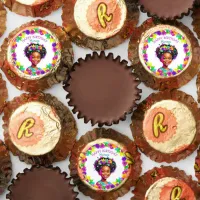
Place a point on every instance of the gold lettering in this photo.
(24, 128)
(45, 6)
(130, 159)
(103, 16)
(176, 193)
(158, 127)
(196, 167)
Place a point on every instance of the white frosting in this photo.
(52, 128)
(185, 131)
(80, 16)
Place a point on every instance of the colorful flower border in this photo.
(166, 73)
(89, 180)
(55, 48)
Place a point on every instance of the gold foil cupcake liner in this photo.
(68, 130)
(82, 40)
(5, 167)
(150, 177)
(197, 165)
(41, 9)
(56, 170)
(139, 116)
(3, 19)
(27, 79)
(168, 82)
(104, 136)
(3, 93)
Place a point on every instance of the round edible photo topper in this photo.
(45, 181)
(197, 165)
(33, 57)
(104, 163)
(166, 183)
(165, 126)
(166, 56)
(33, 8)
(99, 24)
(38, 128)
(5, 167)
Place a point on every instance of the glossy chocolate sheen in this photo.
(42, 184)
(166, 8)
(103, 90)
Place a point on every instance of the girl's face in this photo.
(166, 59)
(105, 172)
(35, 58)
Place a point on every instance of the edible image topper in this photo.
(165, 51)
(169, 126)
(35, 128)
(104, 165)
(34, 53)
(100, 19)
(169, 188)
(32, 2)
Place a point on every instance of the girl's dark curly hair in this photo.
(31, 48)
(105, 162)
(166, 48)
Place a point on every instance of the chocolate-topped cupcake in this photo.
(36, 55)
(166, 126)
(104, 164)
(94, 86)
(166, 183)
(38, 128)
(166, 9)
(99, 24)
(5, 167)
(42, 183)
(33, 8)
(164, 55)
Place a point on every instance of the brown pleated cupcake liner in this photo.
(196, 20)
(137, 125)
(54, 170)
(68, 129)
(41, 9)
(197, 166)
(152, 81)
(5, 167)
(150, 177)
(3, 19)
(47, 81)
(3, 93)
(82, 40)
(91, 136)
(115, 119)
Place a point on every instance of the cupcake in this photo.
(197, 165)
(3, 93)
(166, 126)
(166, 10)
(94, 86)
(164, 56)
(33, 8)
(104, 164)
(99, 24)
(3, 19)
(40, 183)
(5, 167)
(166, 183)
(38, 128)
(36, 56)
